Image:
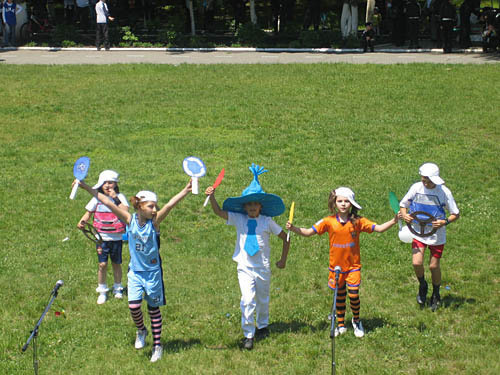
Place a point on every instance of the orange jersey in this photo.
(344, 240)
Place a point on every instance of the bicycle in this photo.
(34, 26)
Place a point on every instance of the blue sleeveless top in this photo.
(143, 245)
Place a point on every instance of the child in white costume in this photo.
(431, 197)
(252, 214)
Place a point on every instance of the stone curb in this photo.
(265, 50)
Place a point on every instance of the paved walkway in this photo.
(384, 54)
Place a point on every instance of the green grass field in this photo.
(315, 127)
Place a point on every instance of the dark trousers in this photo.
(465, 28)
(102, 32)
(447, 34)
(365, 43)
(490, 43)
(413, 26)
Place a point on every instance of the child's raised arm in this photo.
(213, 202)
(305, 232)
(162, 214)
(122, 214)
(379, 228)
(284, 253)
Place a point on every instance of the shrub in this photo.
(351, 41)
(68, 43)
(63, 33)
(128, 37)
(169, 37)
(251, 35)
(318, 39)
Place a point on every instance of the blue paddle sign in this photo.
(80, 171)
(195, 168)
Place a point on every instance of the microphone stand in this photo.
(34, 332)
(334, 318)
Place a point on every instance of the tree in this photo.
(189, 4)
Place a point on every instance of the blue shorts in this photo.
(149, 283)
(112, 249)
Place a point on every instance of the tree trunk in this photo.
(253, 15)
(191, 16)
(370, 6)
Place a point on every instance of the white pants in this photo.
(254, 286)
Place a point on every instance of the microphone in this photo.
(59, 284)
(337, 269)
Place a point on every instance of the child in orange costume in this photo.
(344, 227)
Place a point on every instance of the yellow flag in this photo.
(292, 208)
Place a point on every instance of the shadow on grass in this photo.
(369, 324)
(176, 346)
(455, 302)
(372, 324)
(293, 326)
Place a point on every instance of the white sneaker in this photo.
(340, 331)
(118, 293)
(102, 288)
(359, 331)
(102, 298)
(140, 339)
(157, 353)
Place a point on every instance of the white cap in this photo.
(349, 194)
(107, 175)
(146, 196)
(431, 171)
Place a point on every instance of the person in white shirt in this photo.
(102, 18)
(429, 197)
(251, 214)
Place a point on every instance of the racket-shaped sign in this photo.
(195, 168)
(91, 233)
(290, 219)
(217, 182)
(394, 202)
(80, 171)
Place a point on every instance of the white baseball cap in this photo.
(349, 194)
(146, 196)
(431, 171)
(107, 175)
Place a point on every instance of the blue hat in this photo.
(272, 205)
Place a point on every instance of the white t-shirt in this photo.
(265, 226)
(102, 12)
(439, 196)
(93, 205)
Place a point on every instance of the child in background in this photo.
(431, 196)
(9, 12)
(344, 227)
(111, 230)
(145, 274)
(368, 38)
(251, 214)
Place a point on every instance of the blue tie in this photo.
(251, 243)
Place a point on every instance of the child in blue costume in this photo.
(251, 214)
(145, 271)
